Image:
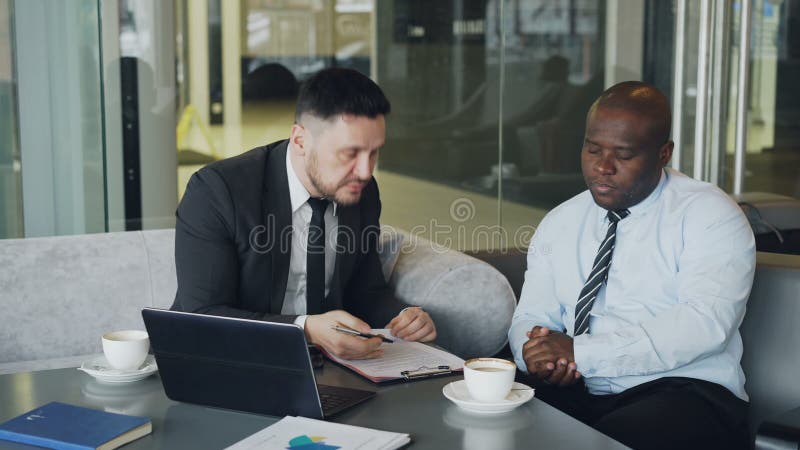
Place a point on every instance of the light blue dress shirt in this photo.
(680, 276)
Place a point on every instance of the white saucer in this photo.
(102, 371)
(457, 393)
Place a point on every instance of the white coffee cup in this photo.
(126, 350)
(489, 379)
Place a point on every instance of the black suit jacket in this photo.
(233, 243)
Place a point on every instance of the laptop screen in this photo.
(239, 364)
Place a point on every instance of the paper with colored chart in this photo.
(299, 433)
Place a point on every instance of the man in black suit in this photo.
(288, 232)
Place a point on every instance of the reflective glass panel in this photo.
(11, 223)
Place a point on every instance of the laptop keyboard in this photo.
(335, 399)
(332, 401)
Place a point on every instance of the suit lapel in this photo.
(278, 219)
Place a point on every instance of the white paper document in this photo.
(302, 433)
(400, 356)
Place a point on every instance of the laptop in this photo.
(240, 364)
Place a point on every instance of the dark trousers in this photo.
(668, 413)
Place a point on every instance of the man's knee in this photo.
(668, 423)
(571, 400)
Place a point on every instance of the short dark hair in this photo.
(335, 91)
(642, 99)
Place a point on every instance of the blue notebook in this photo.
(61, 426)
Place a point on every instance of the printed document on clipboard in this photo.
(403, 360)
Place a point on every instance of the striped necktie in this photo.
(599, 273)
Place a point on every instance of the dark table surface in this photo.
(417, 408)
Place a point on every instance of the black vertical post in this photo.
(132, 185)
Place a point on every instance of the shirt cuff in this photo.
(583, 351)
(596, 355)
(517, 337)
(300, 321)
(624, 352)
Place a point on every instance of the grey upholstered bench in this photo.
(771, 336)
(59, 294)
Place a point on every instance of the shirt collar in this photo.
(298, 194)
(639, 208)
(643, 205)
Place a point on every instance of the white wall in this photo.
(624, 40)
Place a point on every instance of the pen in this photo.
(360, 334)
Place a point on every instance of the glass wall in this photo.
(489, 100)
(11, 225)
(56, 59)
(489, 103)
(772, 162)
(711, 90)
(457, 73)
(87, 116)
(140, 69)
(454, 71)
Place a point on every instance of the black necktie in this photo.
(599, 273)
(315, 264)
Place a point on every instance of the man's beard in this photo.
(329, 192)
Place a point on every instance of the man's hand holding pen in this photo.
(412, 324)
(352, 332)
(320, 330)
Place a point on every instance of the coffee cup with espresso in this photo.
(126, 350)
(489, 379)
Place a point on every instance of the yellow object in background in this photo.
(188, 156)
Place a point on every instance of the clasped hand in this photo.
(412, 324)
(550, 357)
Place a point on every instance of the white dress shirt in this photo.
(294, 302)
(680, 275)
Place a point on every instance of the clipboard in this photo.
(404, 361)
(426, 372)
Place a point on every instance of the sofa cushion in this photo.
(469, 300)
(389, 247)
